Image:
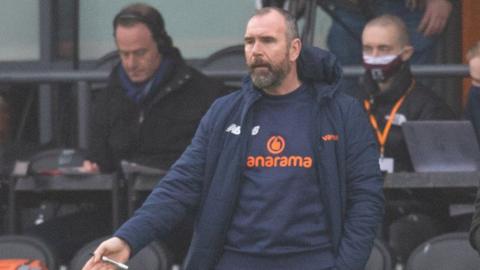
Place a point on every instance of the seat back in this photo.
(153, 257)
(229, 58)
(380, 258)
(20, 247)
(108, 61)
(447, 251)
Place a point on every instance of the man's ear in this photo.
(407, 53)
(295, 48)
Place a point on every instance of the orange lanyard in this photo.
(382, 136)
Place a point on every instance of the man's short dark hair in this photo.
(290, 22)
(148, 15)
(392, 20)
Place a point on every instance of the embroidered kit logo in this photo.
(275, 146)
(330, 137)
(234, 129)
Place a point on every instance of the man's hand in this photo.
(435, 17)
(114, 248)
(90, 167)
(474, 66)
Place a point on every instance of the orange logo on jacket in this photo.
(330, 137)
(275, 146)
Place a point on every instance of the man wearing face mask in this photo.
(391, 95)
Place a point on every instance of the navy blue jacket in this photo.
(472, 109)
(207, 176)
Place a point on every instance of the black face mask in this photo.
(382, 68)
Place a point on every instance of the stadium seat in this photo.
(26, 247)
(380, 258)
(108, 60)
(231, 58)
(445, 252)
(153, 257)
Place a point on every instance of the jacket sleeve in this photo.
(98, 131)
(474, 234)
(472, 113)
(472, 109)
(175, 195)
(432, 107)
(364, 192)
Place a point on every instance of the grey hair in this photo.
(290, 22)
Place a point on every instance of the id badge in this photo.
(386, 164)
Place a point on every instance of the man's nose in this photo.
(257, 48)
(129, 62)
(375, 52)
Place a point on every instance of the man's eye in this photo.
(384, 49)
(139, 53)
(268, 40)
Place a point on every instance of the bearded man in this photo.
(267, 172)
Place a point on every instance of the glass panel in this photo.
(198, 28)
(322, 27)
(63, 29)
(20, 35)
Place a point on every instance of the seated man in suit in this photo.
(472, 113)
(148, 114)
(153, 102)
(472, 110)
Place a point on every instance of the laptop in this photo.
(442, 146)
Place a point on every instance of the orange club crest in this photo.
(276, 145)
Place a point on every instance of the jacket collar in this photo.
(315, 66)
(321, 69)
(175, 77)
(399, 85)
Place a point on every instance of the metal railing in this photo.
(83, 78)
(54, 76)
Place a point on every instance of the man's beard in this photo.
(271, 76)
